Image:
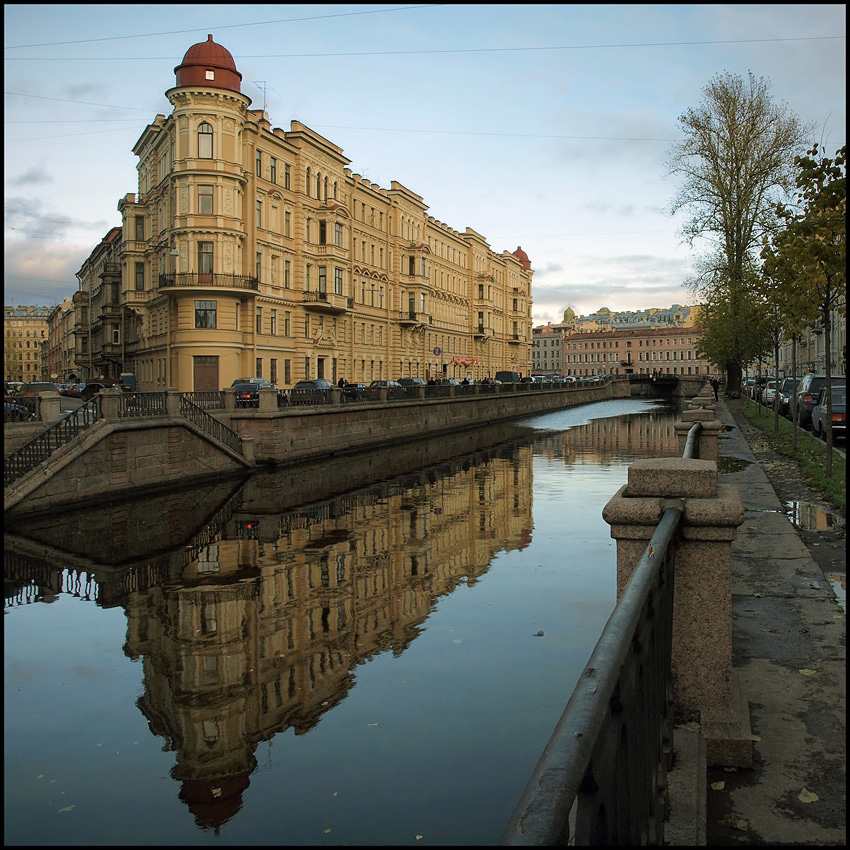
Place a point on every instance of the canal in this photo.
(291, 659)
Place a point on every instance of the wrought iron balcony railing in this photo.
(200, 279)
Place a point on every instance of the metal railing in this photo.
(41, 447)
(603, 772)
(199, 417)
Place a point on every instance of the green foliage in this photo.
(810, 454)
(735, 158)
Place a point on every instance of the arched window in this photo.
(205, 141)
(307, 182)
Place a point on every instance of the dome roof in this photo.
(209, 65)
(523, 258)
(569, 314)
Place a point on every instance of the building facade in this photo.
(648, 351)
(25, 333)
(60, 355)
(249, 250)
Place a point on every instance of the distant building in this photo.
(641, 341)
(60, 359)
(25, 340)
(250, 250)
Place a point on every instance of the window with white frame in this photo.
(205, 141)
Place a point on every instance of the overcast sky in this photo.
(541, 126)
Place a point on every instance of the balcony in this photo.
(326, 302)
(482, 332)
(516, 339)
(207, 281)
(410, 318)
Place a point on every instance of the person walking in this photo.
(715, 385)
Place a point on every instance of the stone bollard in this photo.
(229, 399)
(172, 401)
(49, 407)
(268, 400)
(710, 431)
(110, 403)
(703, 688)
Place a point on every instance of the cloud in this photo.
(34, 176)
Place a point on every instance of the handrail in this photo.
(42, 446)
(198, 416)
(606, 762)
(622, 694)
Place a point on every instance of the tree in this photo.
(736, 158)
(813, 245)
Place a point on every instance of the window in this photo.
(140, 277)
(116, 335)
(258, 159)
(209, 74)
(338, 234)
(287, 177)
(338, 281)
(259, 221)
(205, 200)
(273, 370)
(287, 224)
(287, 271)
(323, 232)
(259, 368)
(307, 182)
(205, 141)
(205, 314)
(287, 326)
(272, 169)
(273, 326)
(259, 323)
(140, 227)
(259, 264)
(323, 279)
(205, 257)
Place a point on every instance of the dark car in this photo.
(808, 392)
(354, 392)
(413, 382)
(839, 413)
(315, 391)
(248, 393)
(92, 388)
(394, 389)
(37, 387)
(786, 390)
(14, 412)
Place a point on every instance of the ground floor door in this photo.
(205, 378)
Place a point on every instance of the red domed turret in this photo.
(523, 258)
(209, 65)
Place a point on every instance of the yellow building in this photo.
(24, 343)
(254, 251)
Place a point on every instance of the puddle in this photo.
(838, 582)
(732, 464)
(810, 517)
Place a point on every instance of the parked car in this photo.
(92, 388)
(394, 389)
(768, 394)
(354, 392)
(786, 390)
(839, 413)
(313, 391)
(412, 382)
(37, 387)
(14, 412)
(263, 381)
(808, 392)
(248, 393)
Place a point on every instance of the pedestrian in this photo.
(715, 385)
(341, 383)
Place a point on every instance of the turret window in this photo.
(205, 141)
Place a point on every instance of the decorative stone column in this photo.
(703, 689)
(709, 432)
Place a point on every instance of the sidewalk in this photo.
(789, 656)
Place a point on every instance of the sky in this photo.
(543, 126)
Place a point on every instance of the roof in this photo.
(209, 65)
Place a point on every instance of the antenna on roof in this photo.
(262, 88)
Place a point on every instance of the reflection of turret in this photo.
(214, 803)
(270, 619)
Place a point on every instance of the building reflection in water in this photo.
(257, 623)
(251, 606)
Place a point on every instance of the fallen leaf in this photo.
(758, 595)
(807, 672)
(755, 737)
(327, 831)
(718, 786)
(806, 796)
(66, 809)
(371, 724)
(419, 837)
(334, 793)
